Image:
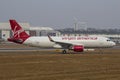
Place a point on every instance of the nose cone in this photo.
(113, 43)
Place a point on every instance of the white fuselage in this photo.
(87, 42)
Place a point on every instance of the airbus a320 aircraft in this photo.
(75, 43)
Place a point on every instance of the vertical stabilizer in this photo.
(19, 35)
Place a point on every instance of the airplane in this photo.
(74, 43)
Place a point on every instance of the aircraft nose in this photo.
(113, 43)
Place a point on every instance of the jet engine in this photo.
(77, 48)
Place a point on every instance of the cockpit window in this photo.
(108, 40)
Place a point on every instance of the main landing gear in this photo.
(64, 51)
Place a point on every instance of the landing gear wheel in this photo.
(64, 51)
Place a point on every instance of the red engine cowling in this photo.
(78, 48)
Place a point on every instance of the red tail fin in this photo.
(19, 35)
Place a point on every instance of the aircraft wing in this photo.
(63, 44)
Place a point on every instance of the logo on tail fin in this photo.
(17, 32)
(19, 35)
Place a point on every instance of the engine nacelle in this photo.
(78, 48)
